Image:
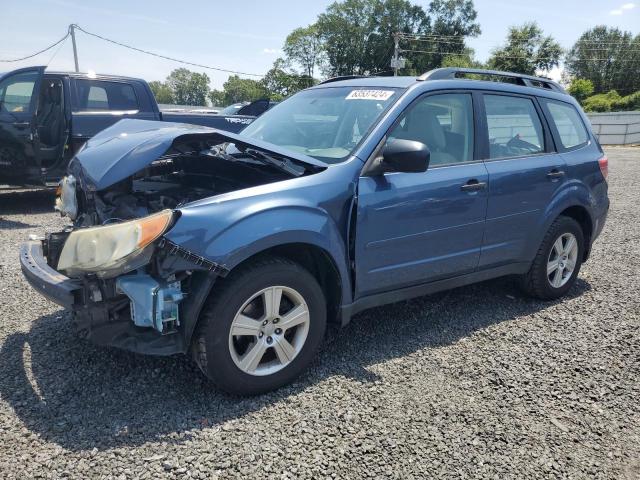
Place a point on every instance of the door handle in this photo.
(21, 124)
(555, 174)
(473, 185)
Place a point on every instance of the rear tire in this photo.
(557, 262)
(278, 311)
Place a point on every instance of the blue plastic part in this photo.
(153, 303)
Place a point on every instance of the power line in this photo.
(444, 54)
(461, 40)
(218, 69)
(38, 52)
(426, 37)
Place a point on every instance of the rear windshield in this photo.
(96, 95)
(324, 123)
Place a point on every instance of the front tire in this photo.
(557, 263)
(261, 327)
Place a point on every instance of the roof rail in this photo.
(520, 79)
(342, 77)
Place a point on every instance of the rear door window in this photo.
(514, 126)
(98, 95)
(569, 126)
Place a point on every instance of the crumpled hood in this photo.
(130, 145)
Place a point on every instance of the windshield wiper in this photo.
(282, 164)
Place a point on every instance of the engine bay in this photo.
(172, 181)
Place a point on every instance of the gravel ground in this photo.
(478, 382)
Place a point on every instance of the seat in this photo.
(51, 116)
(422, 125)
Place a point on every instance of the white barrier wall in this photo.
(616, 128)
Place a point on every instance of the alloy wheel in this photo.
(562, 260)
(269, 330)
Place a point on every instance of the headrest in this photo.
(424, 124)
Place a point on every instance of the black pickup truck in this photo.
(45, 117)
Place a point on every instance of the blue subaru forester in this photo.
(354, 193)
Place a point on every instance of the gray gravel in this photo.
(479, 382)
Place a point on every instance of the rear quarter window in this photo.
(98, 95)
(568, 124)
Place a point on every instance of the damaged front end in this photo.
(127, 285)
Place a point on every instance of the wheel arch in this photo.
(573, 201)
(581, 215)
(317, 261)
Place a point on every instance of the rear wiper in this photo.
(282, 164)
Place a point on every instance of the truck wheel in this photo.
(557, 263)
(260, 327)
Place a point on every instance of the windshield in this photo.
(231, 109)
(324, 123)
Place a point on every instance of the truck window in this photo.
(514, 127)
(569, 126)
(16, 92)
(97, 95)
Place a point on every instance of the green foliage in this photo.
(162, 92)
(279, 84)
(188, 88)
(464, 60)
(612, 101)
(580, 88)
(357, 35)
(237, 89)
(452, 20)
(304, 47)
(629, 102)
(602, 102)
(526, 51)
(607, 56)
(217, 98)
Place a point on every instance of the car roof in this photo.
(92, 76)
(405, 82)
(394, 82)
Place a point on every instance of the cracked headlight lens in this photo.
(110, 250)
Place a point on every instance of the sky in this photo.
(242, 35)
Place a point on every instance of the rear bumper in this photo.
(47, 281)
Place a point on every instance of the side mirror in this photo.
(400, 155)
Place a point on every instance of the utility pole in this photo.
(396, 51)
(75, 48)
(397, 61)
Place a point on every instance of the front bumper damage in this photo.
(153, 310)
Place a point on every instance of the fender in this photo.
(572, 194)
(240, 230)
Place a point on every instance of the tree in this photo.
(526, 51)
(237, 89)
(464, 60)
(217, 98)
(304, 47)
(188, 88)
(580, 88)
(451, 22)
(607, 56)
(162, 92)
(357, 35)
(279, 83)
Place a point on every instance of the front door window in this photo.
(16, 92)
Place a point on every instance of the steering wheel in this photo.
(517, 142)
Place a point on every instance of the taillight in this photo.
(604, 166)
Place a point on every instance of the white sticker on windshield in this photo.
(370, 95)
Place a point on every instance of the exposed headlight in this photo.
(66, 202)
(111, 249)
